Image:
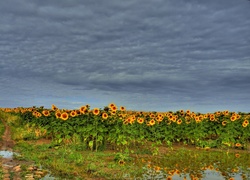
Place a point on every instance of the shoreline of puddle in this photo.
(8, 156)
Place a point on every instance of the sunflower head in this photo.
(83, 109)
(96, 111)
(224, 123)
(140, 120)
(64, 116)
(58, 114)
(46, 113)
(122, 108)
(105, 115)
(53, 107)
(179, 121)
(73, 113)
(151, 122)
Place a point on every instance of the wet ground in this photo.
(11, 167)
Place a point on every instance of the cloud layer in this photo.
(161, 55)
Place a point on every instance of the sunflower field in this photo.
(117, 127)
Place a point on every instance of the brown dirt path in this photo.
(10, 166)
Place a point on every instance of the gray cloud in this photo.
(176, 54)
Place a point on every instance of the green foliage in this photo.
(122, 129)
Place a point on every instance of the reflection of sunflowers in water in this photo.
(169, 178)
(157, 168)
(238, 145)
(64, 116)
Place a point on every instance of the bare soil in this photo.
(11, 167)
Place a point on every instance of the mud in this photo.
(12, 168)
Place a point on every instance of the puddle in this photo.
(48, 177)
(206, 175)
(6, 154)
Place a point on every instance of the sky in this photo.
(146, 55)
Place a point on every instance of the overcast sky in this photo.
(153, 55)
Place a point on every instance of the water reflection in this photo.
(198, 165)
(6, 154)
(204, 175)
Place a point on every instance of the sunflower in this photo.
(111, 105)
(174, 119)
(188, 112)
(151, 115)
(122, 108)
(46, 113)
(224, 123)
(231, 178)
(53, 107)
(58, 114)
(105, 115)
(83, 109)
(226, 112)
(140, 120)
(73, 113)
(244, 125)
(38, 114)
(197, 119)
(152, 122)
(246, 122)
(96, 111)
(64, 116)
(188, 121)
(159, 118)
(113, 113)
(113, 108)
(233, 118)
(212, 118)
(179, 121)
(77, 112)
(130, 120)
(34, 113)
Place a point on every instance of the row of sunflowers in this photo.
(115, 125)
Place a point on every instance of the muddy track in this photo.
(11, 168)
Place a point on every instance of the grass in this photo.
(75, 162)
(72, 161)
